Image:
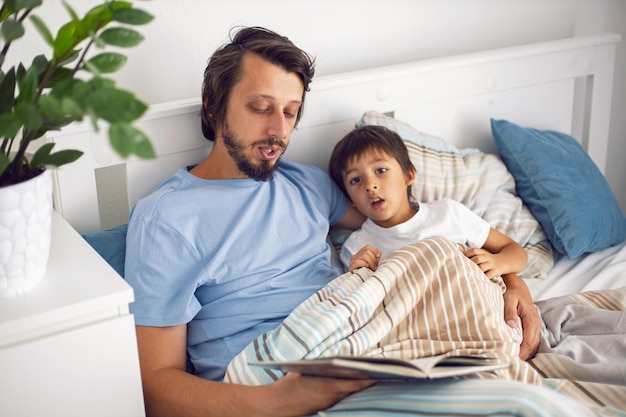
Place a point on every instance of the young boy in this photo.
(372, 167)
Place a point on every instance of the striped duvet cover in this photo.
(425, 299)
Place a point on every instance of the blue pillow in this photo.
(111, 245)
(562, 187)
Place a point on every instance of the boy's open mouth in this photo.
(377, 202)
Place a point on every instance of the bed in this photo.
(519, 134)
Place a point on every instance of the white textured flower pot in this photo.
(25, 221)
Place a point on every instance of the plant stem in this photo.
(82, 56)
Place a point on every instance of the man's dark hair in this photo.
(223, 71)
(368, 138)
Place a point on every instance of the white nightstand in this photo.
(68, 346)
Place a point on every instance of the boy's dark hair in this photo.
(223, 71)
(369, 138)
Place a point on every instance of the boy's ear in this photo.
(410, 176)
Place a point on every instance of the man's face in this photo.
(260, 117)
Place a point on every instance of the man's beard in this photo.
(263, 171)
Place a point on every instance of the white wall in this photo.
(352, 34)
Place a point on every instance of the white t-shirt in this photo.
(447, 218)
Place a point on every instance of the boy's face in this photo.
(377, 187)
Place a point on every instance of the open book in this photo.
(360, 367)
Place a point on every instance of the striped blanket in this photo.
(425, 299)
(428, 299)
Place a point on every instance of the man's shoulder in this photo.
(173, 183)
(303, 174)
(287, 165)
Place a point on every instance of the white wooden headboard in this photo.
(563, 85)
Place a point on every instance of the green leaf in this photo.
(41, 63)
(41, 154)
(98, 17)
(42, 29)
(51, 108)
(11, 30)
(21, 72)
(64, 87)
(107, 62)
(68, 37)
(132, 16)
(28, 114)
(82, 92)
(9, 126)
(97, 42)
(128, 140)
(93, 118)
(27, 4)
(116, 106)
(4, 12)
(115, 5)
(66, 156)
(71, 108)
(121, 37)
(44, 158)
(7, 91)
(69, 58)
(28, 86)
(88, 66)
(10, 7)
(60, 74)
(71, 11)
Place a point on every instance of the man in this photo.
(222, 253)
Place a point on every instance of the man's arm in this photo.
(170, 391)
(518, 303)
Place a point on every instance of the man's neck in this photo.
(218, 165)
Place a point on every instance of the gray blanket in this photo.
(583, 347)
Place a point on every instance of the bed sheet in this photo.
(605, 269)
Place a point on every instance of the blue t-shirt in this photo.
(232, 258)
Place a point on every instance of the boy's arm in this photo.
(499, 255)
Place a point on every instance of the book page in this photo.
(387, 368)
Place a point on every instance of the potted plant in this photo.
(45, 95)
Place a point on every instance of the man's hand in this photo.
(296, 395)
(518, 303)
(368, 256)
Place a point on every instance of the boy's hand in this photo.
(368, 256)
(486, 261)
